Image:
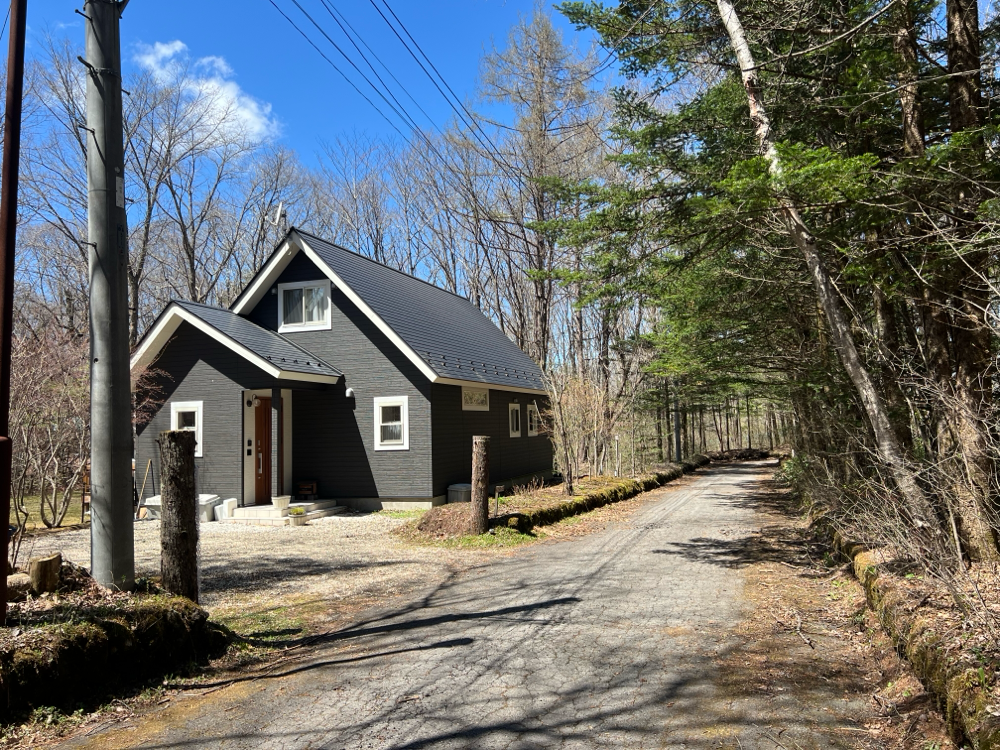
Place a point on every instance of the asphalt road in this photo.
(609, 640)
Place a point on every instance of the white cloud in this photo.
(210, 77)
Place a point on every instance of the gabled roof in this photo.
(267, 349)
(443, 334)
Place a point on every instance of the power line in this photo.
(474, 129)
(403, 115)
(333, 11)
(334, 66)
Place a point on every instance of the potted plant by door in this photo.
(297, 516)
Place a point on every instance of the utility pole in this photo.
(8, 237)
(112, 554)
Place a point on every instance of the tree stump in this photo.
(480, 521)
(18, 586)
(178, 515)
(44, 573)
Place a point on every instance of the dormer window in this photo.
(304, 305)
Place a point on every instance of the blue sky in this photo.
(281, 83)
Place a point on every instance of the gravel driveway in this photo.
(612, 640)
(351, 557)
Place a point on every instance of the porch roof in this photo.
(267, 349)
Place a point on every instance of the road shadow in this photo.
(800, 550)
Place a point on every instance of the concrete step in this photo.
(257, 521)
(259, 511)
(332, 510)
(254, 516)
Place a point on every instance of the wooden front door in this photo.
(262, 451)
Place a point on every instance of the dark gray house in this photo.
(332, 368)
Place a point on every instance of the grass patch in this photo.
(263, 626)
(416, 513)
(498, 537)
(33, 504)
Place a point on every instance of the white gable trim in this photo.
(169, 322)
(266, 277)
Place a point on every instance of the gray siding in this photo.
(333, 437)
(454, 428)
(201, 369)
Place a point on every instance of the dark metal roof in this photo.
(266, 344)
(445, 330)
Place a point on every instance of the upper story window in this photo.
(514, 413)
(475, 399)
(534, 420)
(304, 304)
(186, 415)
(392, 423)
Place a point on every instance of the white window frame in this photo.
(511, 408)
(466, 406)
(532, 409)
(323, 325)
(402, 401)
(197, 408)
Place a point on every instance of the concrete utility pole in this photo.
(112, 554)
(8, 237)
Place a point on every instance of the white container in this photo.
(206, 506)
(459, 493)
(281, 502)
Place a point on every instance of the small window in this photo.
(534, 421)
(475, 399)
(303, 305)
(392, 424)
(186, 415)
(514, 411)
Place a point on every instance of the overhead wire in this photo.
(404, 115)
(336, 68)
(474, 127)
(333, 11)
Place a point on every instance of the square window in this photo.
(187, 415)
(303, 305)
(392, 423)
(514, 412)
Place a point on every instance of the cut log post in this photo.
(179, 514)
(44, 573)
(480, 478)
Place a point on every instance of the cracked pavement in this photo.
(610, 640)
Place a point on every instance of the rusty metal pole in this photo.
(8, 237)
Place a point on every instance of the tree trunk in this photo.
(917, 504)
(480, 511)
(179, 515)
(965, 79)
(905, 43)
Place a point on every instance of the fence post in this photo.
(480, 478)
(179, 514)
